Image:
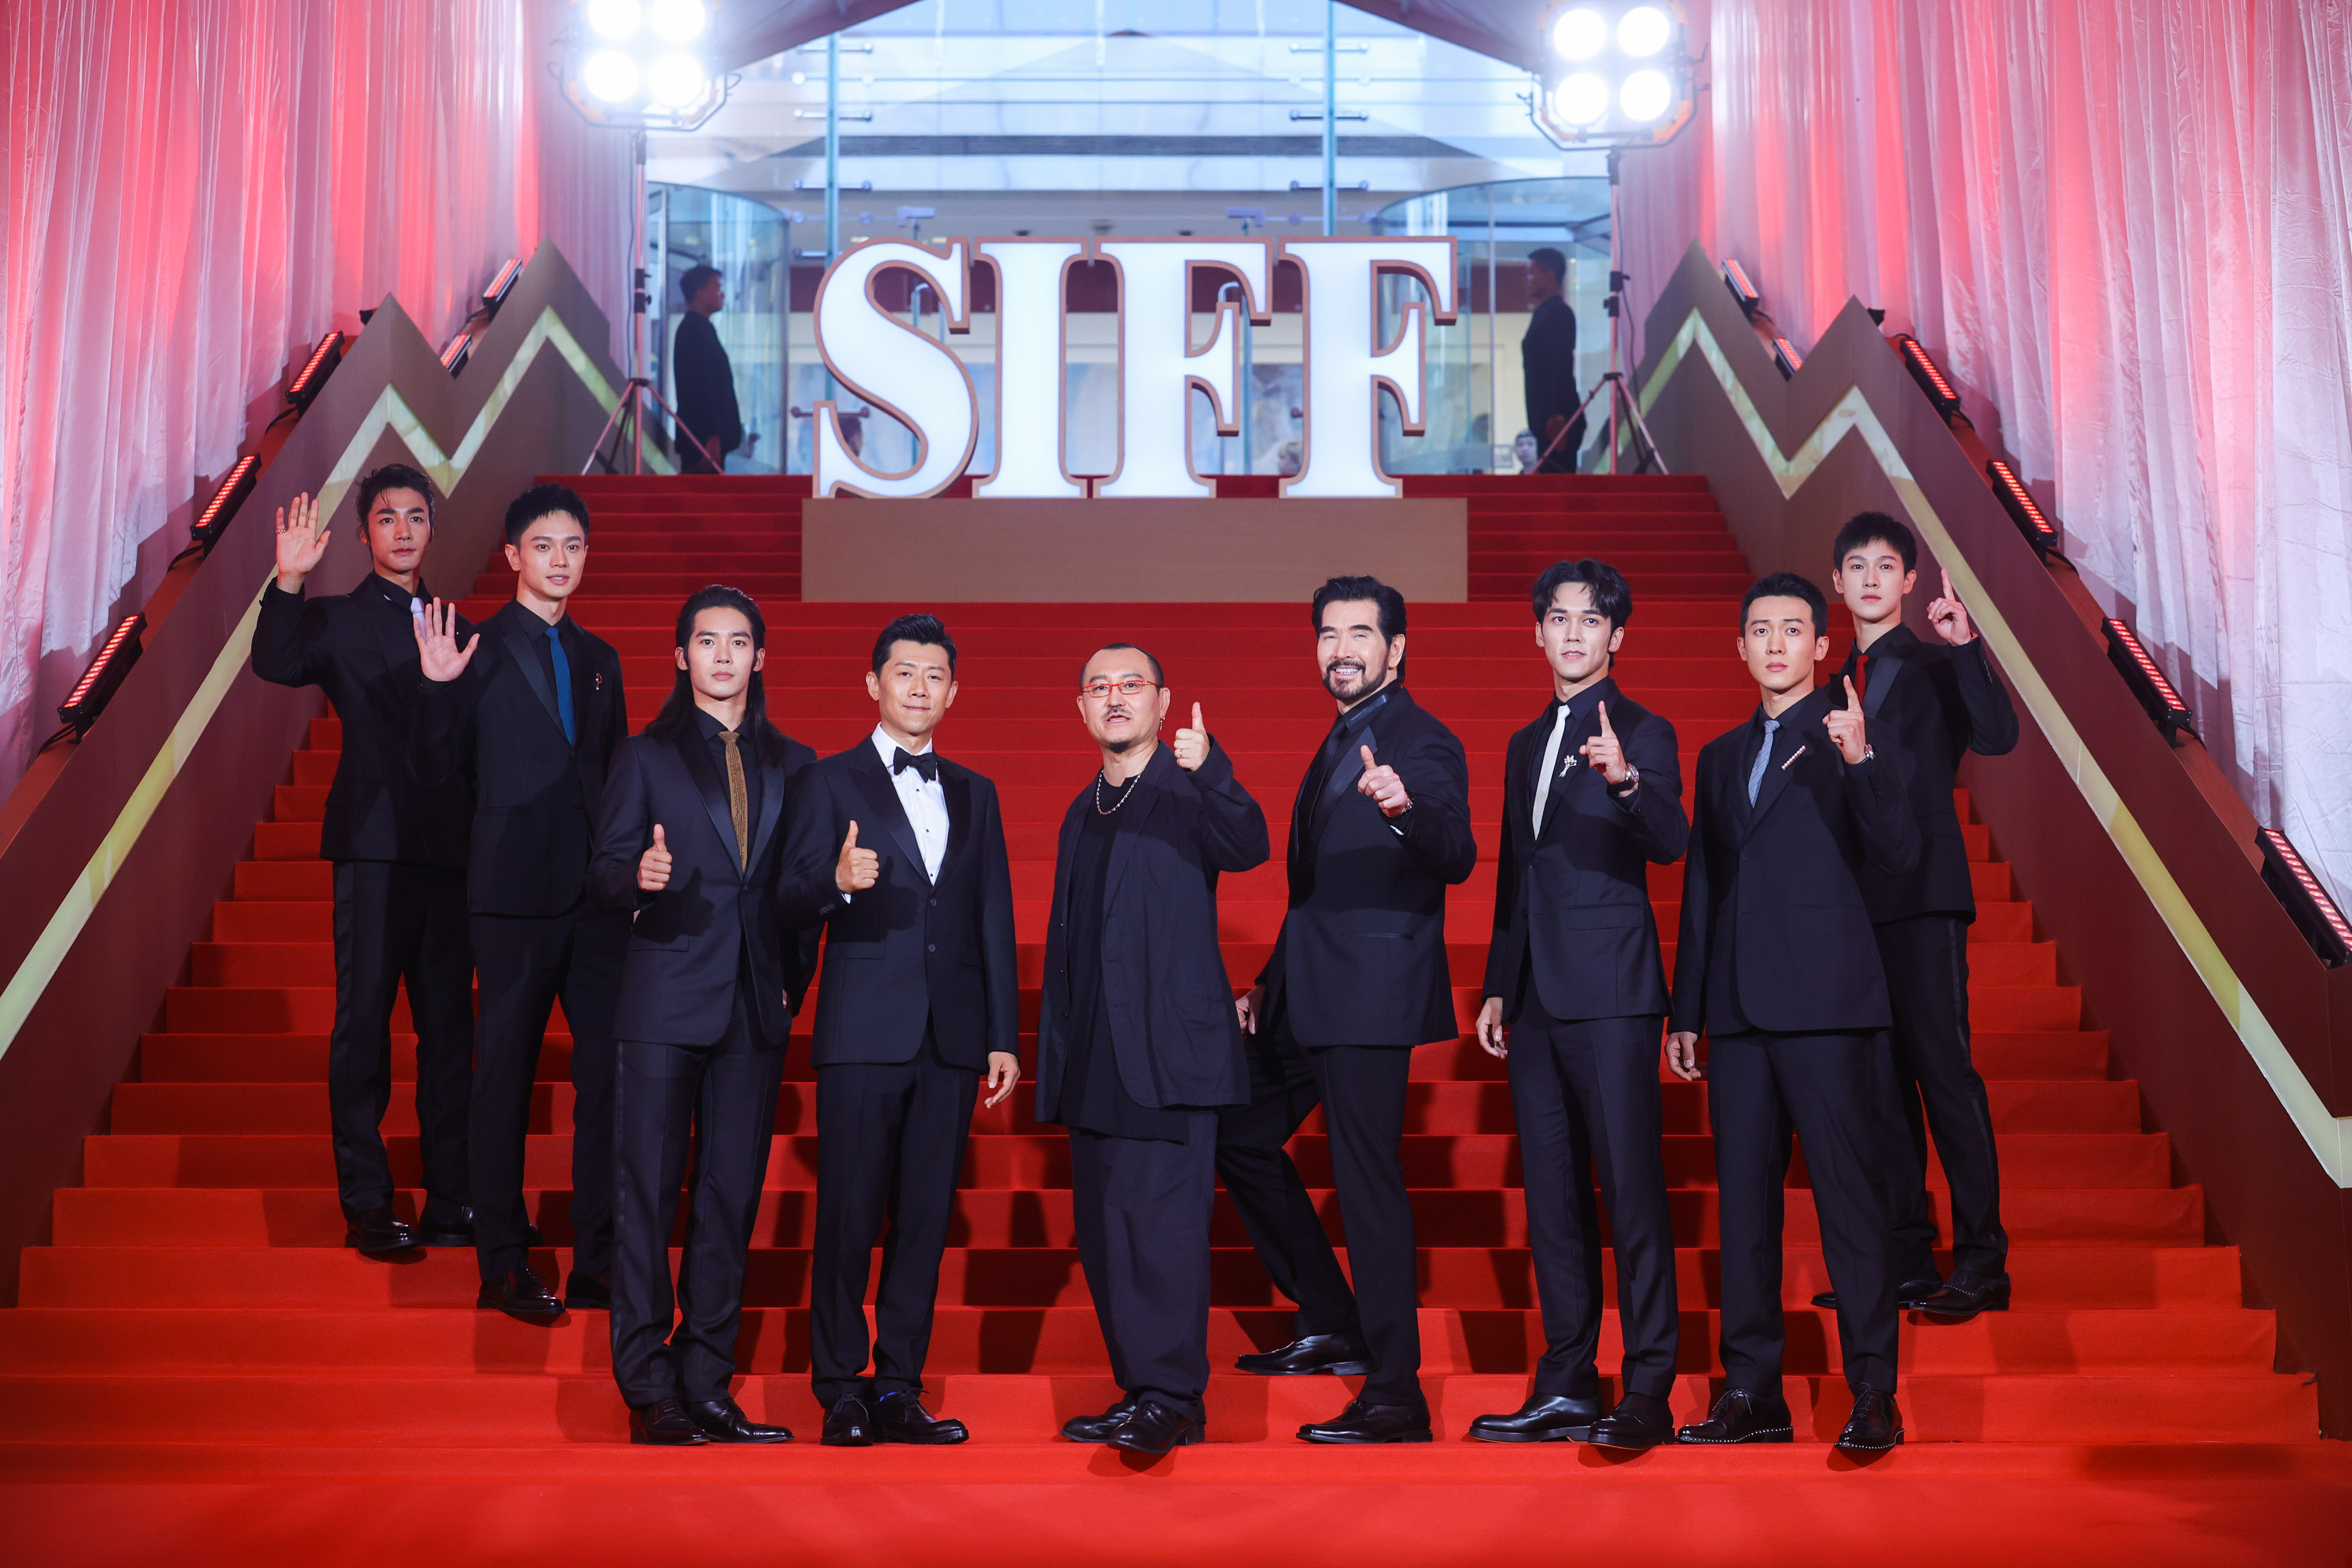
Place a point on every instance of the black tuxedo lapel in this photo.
(958, 789)
(526, 660)
(1801, 723)
(881, 792)
(1132, 818)
(1885, 671)
(771, 799)
(696, 754)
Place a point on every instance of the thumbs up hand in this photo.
(1949, 618)
(653, 865)
(1846, 726)
(1603, 754)
(856, 869)
(1193, 742)
(1380, 782)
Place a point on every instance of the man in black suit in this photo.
(702, 376)
(1576, 1001)
(1776, 963)
(899, 854)
(1548, 365)
(1941, 700)
(531, 724)
(1137, 1042)
(691, 844)
(1358, 978)
(398, 847)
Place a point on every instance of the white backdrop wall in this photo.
(2125, 229)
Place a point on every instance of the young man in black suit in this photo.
(691, 844)
(1358, 978)
(1942, 701)
(1776, 963)
(899, 854)
(527, 711)
(1137, 1041)
(398, 847)
(1576, 1003)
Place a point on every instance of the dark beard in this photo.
(1371, 680)
(1121, 748)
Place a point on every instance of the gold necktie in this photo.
(739, 798)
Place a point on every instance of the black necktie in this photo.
(928, 764)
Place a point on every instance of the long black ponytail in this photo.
(676, 714)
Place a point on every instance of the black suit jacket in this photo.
(714, 920)
(906, 951)
(1941, 702)
(1362, 957)
(705, 383)
(1575, 901)
(1548, 377)
(536, 795)
(362, 649)
(1174, 1032)
(1773, 919)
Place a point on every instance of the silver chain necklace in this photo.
(1126, 792)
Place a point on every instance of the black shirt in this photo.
(711, 729)
(706, 385)
(1094, 1097)
(1547, 373)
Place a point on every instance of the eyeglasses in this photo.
(1134, 686)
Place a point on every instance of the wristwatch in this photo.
(1633, 781)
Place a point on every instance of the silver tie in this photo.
(1550, 764)
(1763, 755)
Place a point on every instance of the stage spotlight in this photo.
(1615, 73)
(1645, 96)
(115, 657)
(1643, 31)
(1581, 99)
(496, 293)
(614, 19)
(1925, 371)
(316, 370)
(611, 75)
(641, 65)
(2023, 510)
(453, 356)
(1581, 33)
(1785, 355)
(1735, 278)
(2148, 683)
(206, 532)
(676, 80)
(2315, 913)
(678, 21)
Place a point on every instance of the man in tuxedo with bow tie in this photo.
(899, 854)
(1576, 1004)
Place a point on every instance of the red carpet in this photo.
(197, 1369)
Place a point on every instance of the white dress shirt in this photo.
(926, 804)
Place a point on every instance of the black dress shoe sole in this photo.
(748, 1442)
(864, 1439)
(911, 1440)
(1549, 1434)
(519, 1312)
(379, 1249)
(1767, 1435)
(1329, 1369)
(1632, 1444)
(1997, 1303)
(1184, 1439)
(643, 1440)
(445, 1238)
(1420, 1435)
(1894, 1442)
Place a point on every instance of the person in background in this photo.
(1548, 362)
(703, 378)
(1525, 449)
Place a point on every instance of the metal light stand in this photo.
(1613, 385)
(629, 411)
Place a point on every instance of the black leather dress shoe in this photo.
(899, 1417)
(458, 1232)
(849, 1424)
(1875, 1424)
(1154, 1428)
(1341, 1355)
(1362, 1423)
(1907, 1294)
(521, 1293)
(377, 1231)
(723, 1421)
(1964, 1296)
(1098, 1428)
(1544, 1418)
(588, 1293)
(664, 1425)
(1639, 1421)
(1740, 1416)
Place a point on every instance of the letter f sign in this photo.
(1347, 364)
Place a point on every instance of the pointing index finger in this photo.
(1852, 697)
(1604, 721)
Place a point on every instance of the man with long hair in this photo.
(690, 844)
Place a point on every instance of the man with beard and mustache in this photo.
(1358, 978)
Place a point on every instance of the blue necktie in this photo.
(563, 686)
(1763, 755)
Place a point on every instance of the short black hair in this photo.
(691, 283)
(394, 477)
(923, 630)
(1788, 585)
(1611, 597)
(1551, 260)
(544, 501)
(1871, 528)
(1157, 677)
(1342, 590)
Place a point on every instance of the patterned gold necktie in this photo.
(739, 798)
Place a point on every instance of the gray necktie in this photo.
(1763, 755)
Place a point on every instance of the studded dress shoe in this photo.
(1740, 1416)
(899, 1417)
(377, 1231)
(1154, 1428)
(1098, 1428)
(1639, 1421)
(520, 1293)
(1875, 1424)
(1964, 1296)
(1544, 1418)
(723, 1421)
(587, 1293)
(849, 1424)
(664, 1425)
(1362, 1423)
(1341, 1355)
(458, 1232)
(1907, 1294)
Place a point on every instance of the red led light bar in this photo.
(1735, 278)
(453, 358)
(115, 657)
(2305, 898)
(495, 295)
(1784, 353)
(2032, 521)
(316, 369)
(1930, 378)
(2125, 652)
(207, 529)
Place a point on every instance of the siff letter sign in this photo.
(896, 368)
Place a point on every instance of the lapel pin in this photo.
(1793, 758)
(600, 681)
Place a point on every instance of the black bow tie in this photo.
(928, 764)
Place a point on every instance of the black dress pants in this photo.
(1265, 1186)
(1363, 1089)
(1141, 1206)
(523, 964)
(889, 1145)
(1587, 1100)
(1833, 1091)
(723, 1095)
(395, 922)
(1927, 961)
